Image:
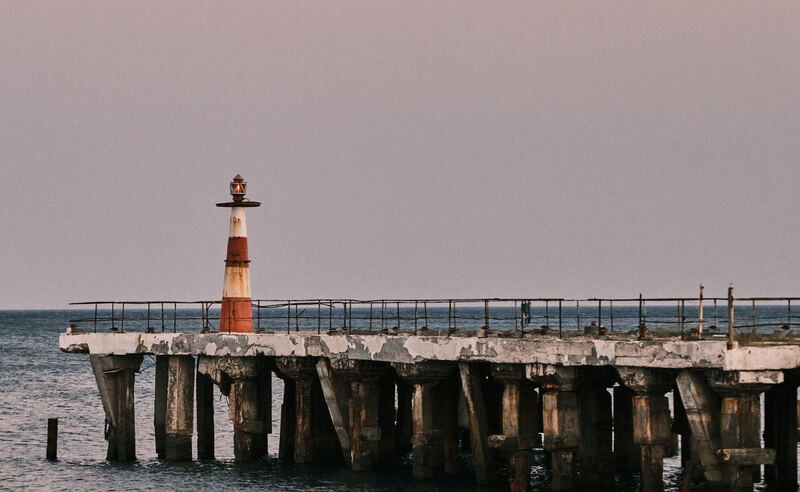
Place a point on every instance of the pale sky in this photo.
(400, 149)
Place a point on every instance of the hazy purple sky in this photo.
(400, 149)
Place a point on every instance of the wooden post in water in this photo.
(52, 439)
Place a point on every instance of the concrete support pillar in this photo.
(160, 405)
(303, 372)
(472, 387)
(303, 437)
(626, 453)
(680, 426)
(337, 399)
(286, 444)
(779, 423)
(353, 393)
(560, 421)
(740, 425)
(180, 408)
(326, 444)
(446, 419)
(403, 424)
(115, 376)
(519, 422)
(364, 421)
(595, 453)
(652, 423)
(243, 380)
(387, 415)
(249, 434)
(427, 439)
(702, 408)
(652, 432)
(204, 397)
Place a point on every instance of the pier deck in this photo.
(410, 349)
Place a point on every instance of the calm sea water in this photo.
(37, 382)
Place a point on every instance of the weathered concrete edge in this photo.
(411, 349)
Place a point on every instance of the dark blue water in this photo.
(37, 382)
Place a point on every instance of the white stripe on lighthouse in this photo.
(238, 223)
(237, 282)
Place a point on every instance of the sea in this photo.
(39, 382)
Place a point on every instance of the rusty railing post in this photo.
(611, 313)
(416, 312)
(731, 325)
(486, 313)
(700, 314)
(560, 319)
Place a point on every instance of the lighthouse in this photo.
(236, 314)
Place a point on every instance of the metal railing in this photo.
(637, 317)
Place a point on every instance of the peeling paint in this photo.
(674, 354)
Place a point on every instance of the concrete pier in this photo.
(367, 399)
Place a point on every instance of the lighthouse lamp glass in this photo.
(238, 188)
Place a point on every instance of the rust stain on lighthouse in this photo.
(236, 315)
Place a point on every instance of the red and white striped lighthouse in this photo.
(236, 315)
